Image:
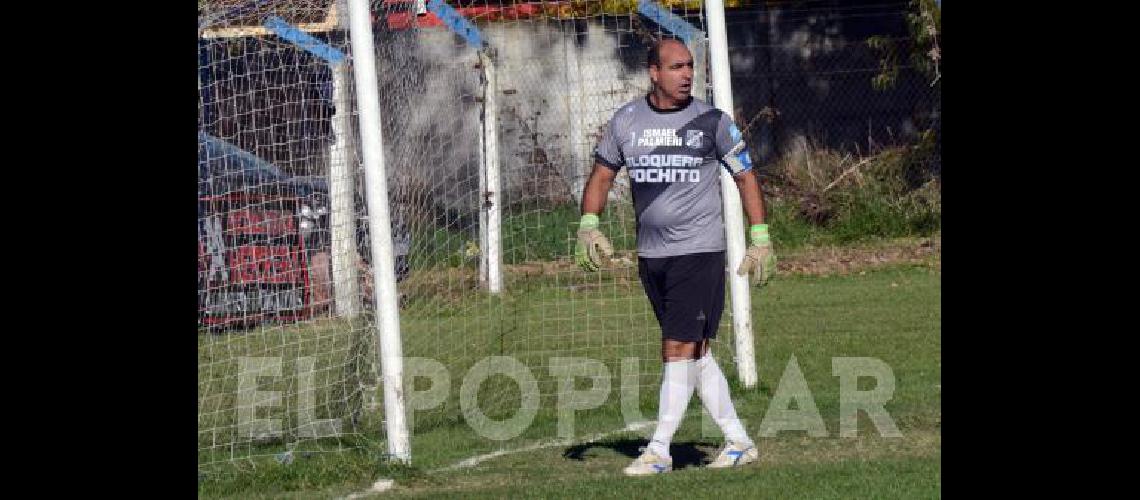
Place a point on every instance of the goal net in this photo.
(287, 328)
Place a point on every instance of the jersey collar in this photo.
(659, 110)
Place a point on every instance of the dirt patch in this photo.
(844, 260)
(455, 283)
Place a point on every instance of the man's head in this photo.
(671, 70)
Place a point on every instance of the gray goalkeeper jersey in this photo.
(674, 159)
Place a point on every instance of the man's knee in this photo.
(678, 350)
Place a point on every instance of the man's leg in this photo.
(713, 389)
(711, 383)
(678, 382)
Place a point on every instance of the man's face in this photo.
(674, 77)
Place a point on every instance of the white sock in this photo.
(677, 383)
(713, 389)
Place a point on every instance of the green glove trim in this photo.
(589, 221)
(759, 233)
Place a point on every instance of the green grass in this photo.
(541, 234)
(892, 314)
(892, 193)
(888, 478)
(860, 218)
(529, 233)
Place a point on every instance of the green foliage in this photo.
(924, 22)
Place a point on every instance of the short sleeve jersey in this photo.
(674, 159)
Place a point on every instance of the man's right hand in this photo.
(592, 245)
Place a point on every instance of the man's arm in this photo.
(597, 189)
(759, 258)
(592, 245)
(750, 196)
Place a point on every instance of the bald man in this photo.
(674, 147)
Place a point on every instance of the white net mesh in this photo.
(277, 370)
(562, 69)
(283, 363)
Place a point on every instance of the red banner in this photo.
(252, 263)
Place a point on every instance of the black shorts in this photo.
(687, 293)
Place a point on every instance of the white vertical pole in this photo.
(480, 201)
(346, 284)
(733, 218)
(380, 230)
(490, 197)
(699, 46)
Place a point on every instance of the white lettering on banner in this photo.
(254, 302)
(216, 248)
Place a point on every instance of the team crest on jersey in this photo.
(693, 138)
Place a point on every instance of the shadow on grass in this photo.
(686, 454)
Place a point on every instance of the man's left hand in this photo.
(759, 259)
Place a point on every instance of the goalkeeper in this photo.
(674, 147)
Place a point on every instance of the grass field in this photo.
(891, 313)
